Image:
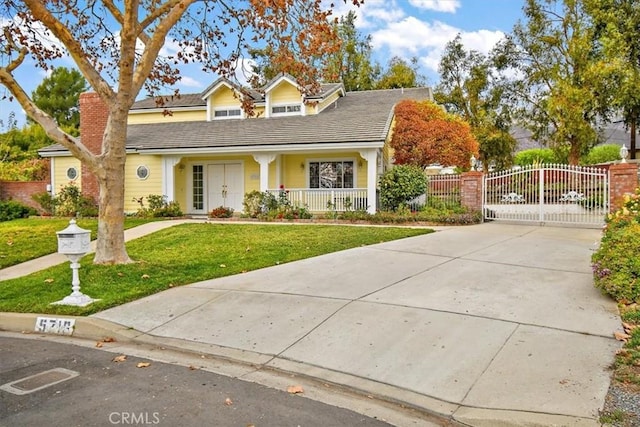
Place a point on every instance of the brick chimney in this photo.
(93, 121)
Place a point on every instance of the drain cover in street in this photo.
(39, 381)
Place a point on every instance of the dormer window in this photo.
(286, 110)
(227, 113)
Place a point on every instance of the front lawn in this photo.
(25, 239)
(185, 254)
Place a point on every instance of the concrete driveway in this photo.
(483, 324)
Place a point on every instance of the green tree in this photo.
(116, 46)
(617, 23)
(556, 89)
(469, 87)
(399, 74)
(58, 96)
(351, 64)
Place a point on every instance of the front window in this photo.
(337, 174)
(198, 187)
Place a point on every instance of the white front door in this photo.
(225, 186)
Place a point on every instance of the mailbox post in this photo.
(74, 242)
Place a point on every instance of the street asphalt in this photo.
(485, 325)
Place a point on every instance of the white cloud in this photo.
(426, 40)
(438, 5)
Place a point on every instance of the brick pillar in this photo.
(93, 121)
(471, 190)
(623, 179)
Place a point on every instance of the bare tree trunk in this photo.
(632, 138)
(574, 152)
(110, 247)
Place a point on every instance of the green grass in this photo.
(185, 254)
(25, 239)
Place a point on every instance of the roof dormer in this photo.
(283, 97)
(224, 100)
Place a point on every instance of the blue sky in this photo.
(405, 28)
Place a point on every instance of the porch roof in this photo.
(357, 118)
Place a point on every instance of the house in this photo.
(329, 147)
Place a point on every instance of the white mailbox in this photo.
(74, 240)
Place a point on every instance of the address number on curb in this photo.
(53, 325)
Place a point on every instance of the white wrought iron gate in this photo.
(548, 194)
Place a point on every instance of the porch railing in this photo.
(326, 199)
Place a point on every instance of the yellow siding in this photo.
(223, 97)
(310, 109)
(135, 187)
(285, 93)
(258, 112)
(328, 102)
(60, 166)
(158, 117)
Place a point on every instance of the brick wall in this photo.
(471, 190)
(93, 121)
(22, 191)
(623, 179)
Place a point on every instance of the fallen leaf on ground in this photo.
(120, 358)
(629, 327)
(99, 344)
(145, 276)
(621, 336)
(223, 266)
(192, 368)
(295, 389)
(108, 339)
(48, 280)
(120, 274)
(228, 402)
(143, 364)
(10, 242)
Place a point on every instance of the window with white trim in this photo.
(72, 173)
(142, 172)
(286, 110)
(331, 174)
(198, 187)
(227, 113)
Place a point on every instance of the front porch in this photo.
(327, 199)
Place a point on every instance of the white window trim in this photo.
(227, 108)
(288, 104)
(342, 159)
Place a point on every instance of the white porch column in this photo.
(168, 176)
(264, 159)
(371, 156)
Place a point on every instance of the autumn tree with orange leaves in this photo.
(116, 46)
(425, 134)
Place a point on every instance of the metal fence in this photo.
(552, 193)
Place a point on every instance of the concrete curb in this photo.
(269, 370)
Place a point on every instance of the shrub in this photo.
(268, 206)
(535, 156)
(616, 266)
(11, 209)
(401, 184)
(159, 207)
(69, 201)
(253, 203)
(602, 154)
(221, 212)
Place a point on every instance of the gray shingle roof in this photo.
(357, 117)
(182, 100)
